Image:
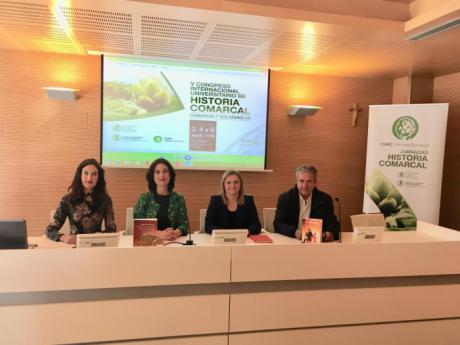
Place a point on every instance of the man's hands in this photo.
(327, 235)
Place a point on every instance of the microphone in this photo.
(337, 200)
(189, 242)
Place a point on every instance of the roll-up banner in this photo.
(405, 155)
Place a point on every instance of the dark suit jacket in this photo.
(288, 209)
(246, 215)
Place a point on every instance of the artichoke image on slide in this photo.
(147, 97)
(150, 94)
(398, 214)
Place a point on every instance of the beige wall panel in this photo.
(93, 321)
(337, 260)
(97, 268)
(401, 90)
(444, 332)
(323, 303)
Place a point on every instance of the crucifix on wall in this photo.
(356, 109)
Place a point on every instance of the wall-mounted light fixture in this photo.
(303, 110)
(62, 93)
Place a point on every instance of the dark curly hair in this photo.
(151, 172)
(76, 189)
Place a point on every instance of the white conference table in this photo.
(425, 234)
(200, 239)
(403, 290)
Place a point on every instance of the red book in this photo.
(145, 232)
(261, 238)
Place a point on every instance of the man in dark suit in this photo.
(305, 201)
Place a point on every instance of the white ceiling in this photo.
(294, 37)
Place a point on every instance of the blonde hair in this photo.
(222, 186)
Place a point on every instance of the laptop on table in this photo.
(13, 234)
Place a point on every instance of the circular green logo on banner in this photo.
(157, 139)
(405, 128)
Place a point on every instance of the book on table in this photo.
(312, 230)
(260, 238)
(145, 232)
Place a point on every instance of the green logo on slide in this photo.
(405, 128)
(157, 139)
(116, 137)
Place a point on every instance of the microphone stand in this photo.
(340, 219)
(189, 242)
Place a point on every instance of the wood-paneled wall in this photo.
(447, 90)
(42, 140)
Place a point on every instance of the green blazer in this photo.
(147, 207)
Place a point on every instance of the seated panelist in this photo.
(162, 202)
(305, 201)
(86, 205)
(232, 209)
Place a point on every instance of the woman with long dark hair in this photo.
(86, 205)
(162, 202)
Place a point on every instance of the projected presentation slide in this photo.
(197, 116)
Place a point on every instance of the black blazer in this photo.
(288, 209)
(246, 215)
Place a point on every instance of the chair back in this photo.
(129, 224)
(269, 217)
(202, 218)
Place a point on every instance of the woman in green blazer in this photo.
(162, 202)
